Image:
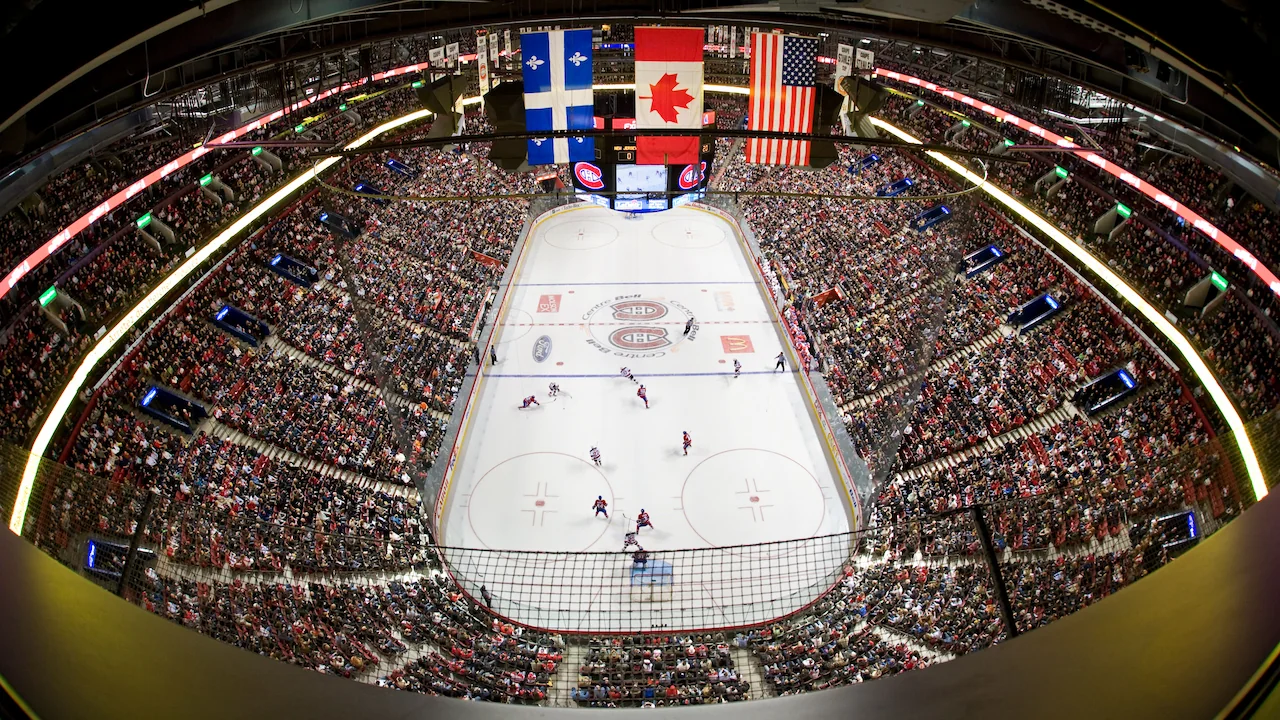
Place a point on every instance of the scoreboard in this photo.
(615, 181)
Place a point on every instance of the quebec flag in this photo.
(557, 94)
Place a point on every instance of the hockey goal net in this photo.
(653, 581)
(631, 215)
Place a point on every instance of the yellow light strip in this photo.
(1166, 328)
(144, 306)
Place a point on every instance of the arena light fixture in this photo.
(197, 151)
(1198, 366)
(1230, 244)
(147, 303)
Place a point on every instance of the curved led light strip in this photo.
(44, 251)
(1226, 241)
(1166, 328)
(144, 306)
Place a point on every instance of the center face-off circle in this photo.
(689, 233)
(750, 495)
(539, 501)
(581, 235)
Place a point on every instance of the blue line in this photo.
(682, 282)
(639, 376)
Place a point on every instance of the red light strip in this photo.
(1204, 226)
(44, 251)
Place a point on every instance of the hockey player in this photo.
(553, 389)
(781, 364)
(601, 506)
(639, 558)
(737, 368)
(687, 442)
(630, 540)
(531, 400)
(642, 520)
(688, 325)
(595, 454)
(626, 373)
(643, 395)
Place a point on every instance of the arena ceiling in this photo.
(83, 63)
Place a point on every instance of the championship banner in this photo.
(506, 37)
(844, 64)
(451, 54)
(733, 41)
(437, 60)
(668, 93)
(482, 63)
(865, 60)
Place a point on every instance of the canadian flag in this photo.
(668, 92)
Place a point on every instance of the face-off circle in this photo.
(751, 495)
(689, 233)
(633, 326)
(575, 234)
(536, 501)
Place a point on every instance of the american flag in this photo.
(783, 75)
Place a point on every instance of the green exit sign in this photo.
(1062, 172)
(418, 83)
(342, 107)
(1008, 142)
(257, 151)
(964, 123)
(1217, 280)
(1123, 210)
(47, 296)
(143, 221)
(920, 103)
(206, 180)
(300, 128)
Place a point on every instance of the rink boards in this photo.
(592, 292)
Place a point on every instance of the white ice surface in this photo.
(757, 471)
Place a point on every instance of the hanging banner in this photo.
(482, 63)
(865, 60)
(493, 52)
(844, 64)
(733, 41)
(437, 57)
(506, 44)
(451, 54)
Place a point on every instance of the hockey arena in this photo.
(373, 358)
(593, 292)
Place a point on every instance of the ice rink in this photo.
(593, 292)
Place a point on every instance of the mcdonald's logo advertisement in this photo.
(736, 344)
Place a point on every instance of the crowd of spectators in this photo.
(1146, 251)
(659, 670)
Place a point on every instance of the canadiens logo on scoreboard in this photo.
(692, 175)
(589, 175)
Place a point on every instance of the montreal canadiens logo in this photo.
(589, 175)
(691, 176)
(542, 349)
(638, 310)
(638, 339)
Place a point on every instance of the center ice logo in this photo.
(639, 339)
(638, 310)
